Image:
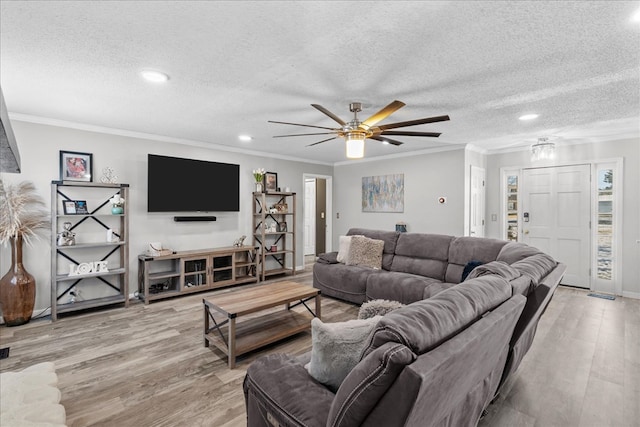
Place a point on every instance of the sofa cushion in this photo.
(425, 324)
(337, 347)
(367, 383)
(465, 249)
(516, 251)
(422, 254)
(342, 281)
(389, 238)
(365, 252)
(535, 266)
(403, 287)
(273, 390)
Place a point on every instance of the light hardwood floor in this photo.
(147, 365)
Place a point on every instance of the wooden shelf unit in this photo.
(99, 218)
(198, 270)
(282, 260)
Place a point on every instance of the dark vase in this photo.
(17, 289)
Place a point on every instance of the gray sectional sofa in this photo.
(436, 362)
(439, 360)
(417, 266)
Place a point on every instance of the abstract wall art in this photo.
(384, 193)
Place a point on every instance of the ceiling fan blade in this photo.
(409, 133)
(414, 122)
(382, 114)
(320, 142)
(303, 134)
(298, 124)
(389, 140)
(329, 113)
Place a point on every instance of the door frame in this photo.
(329, 210)
(473, 171)
(618, 165)
(618, 168)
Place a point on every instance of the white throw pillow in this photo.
(344, 248)
(337, 347)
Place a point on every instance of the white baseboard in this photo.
(634, 295)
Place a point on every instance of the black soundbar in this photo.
(193, 218)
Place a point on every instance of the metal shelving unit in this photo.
(276, 247)
(115, 281)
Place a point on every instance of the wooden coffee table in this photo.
(235, 337)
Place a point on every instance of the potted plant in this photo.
(22, 215)
(117, 205)
(258, 176)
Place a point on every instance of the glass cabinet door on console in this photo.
(196, 271)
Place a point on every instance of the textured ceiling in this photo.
(235, 65)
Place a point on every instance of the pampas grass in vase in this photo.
(22, 215)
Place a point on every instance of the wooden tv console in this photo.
(198, 270)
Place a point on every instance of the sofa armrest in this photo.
(279, 391)
(525, 330)
(328, 258)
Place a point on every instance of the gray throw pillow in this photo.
(337, 347)
(365, 252)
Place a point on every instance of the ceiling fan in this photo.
(355, 132)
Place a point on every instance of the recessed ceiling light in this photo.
(528, 117)
(636, 16)
(154, 76)
(245, 138)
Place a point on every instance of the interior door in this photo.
(309, 216)
(556, 212)
(476, 223)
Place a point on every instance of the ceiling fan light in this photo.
(355, 146)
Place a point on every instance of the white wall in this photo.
(426, 177)
(629, 150)
(39, 147)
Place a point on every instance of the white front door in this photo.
(556, 213)
(476, 221)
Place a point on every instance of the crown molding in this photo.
(154, 137)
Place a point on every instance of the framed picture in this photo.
(69, 207)
(81, 207)
(76, 166)
(282, 227)
(270, 182)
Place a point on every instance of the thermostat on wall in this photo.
(442, 200)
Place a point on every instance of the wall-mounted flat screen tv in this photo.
(189, 185)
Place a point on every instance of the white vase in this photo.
(258, 187)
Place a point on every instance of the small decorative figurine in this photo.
(239, 241)
(108, 176)
(66, 237)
